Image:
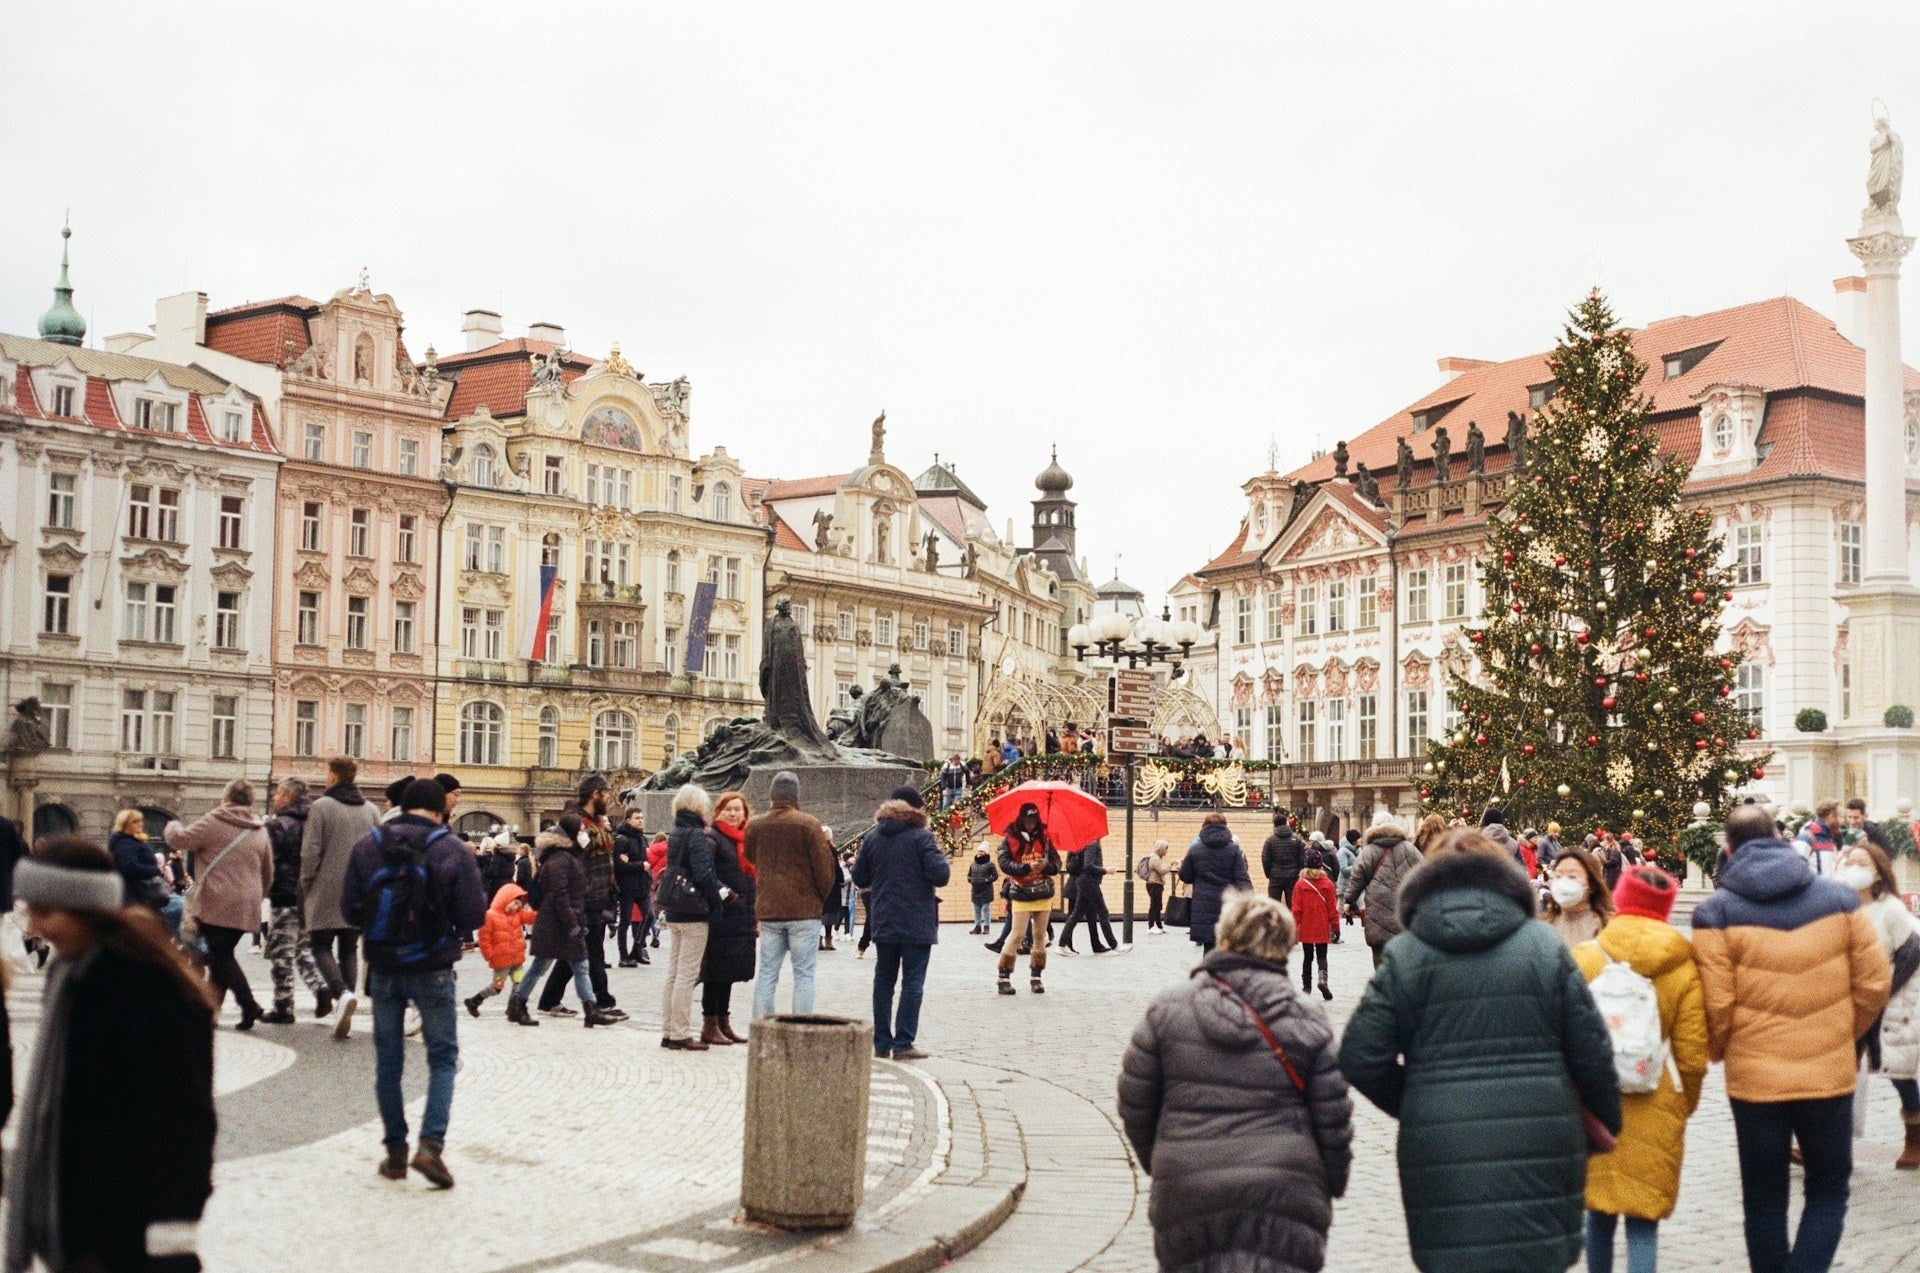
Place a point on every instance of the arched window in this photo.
(549, 738)
(156, 821)
(1723, 433)
(612, 740)
(482, 727)
(53, 819)
(479, 822)
(722, 503)
(550, 549)
(673, 571)
(483, 465)
(714, 726)
(669, 740)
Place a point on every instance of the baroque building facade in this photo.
(136, 578)
(1340, 605)
(358, 521)
(577, 471)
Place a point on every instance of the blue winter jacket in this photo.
(901, 863)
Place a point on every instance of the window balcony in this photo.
(147, 763)
(480, 670)
(622, 594)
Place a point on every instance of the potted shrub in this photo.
(1810, 720)
(1898, 717)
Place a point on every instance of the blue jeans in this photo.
(983, 915)
(433, 994)
(1765, 1131)
(582, 982)
(778, 938)
(1643, 1240)
(895, 1033)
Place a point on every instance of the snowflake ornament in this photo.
(1620, 774)
(1540, 553)
(1607, 361)
(1661, 525)
(1696, 768)
(1593, 445)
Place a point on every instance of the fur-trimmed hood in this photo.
(1465, 901)
(552, 838)
(1386, 834)
(901, 811)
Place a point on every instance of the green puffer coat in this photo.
(1478, 1034)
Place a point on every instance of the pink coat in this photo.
(229, 894)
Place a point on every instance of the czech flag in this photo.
(533, 642)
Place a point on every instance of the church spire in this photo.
(62, 325)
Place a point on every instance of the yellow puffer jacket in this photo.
(1642, 1177)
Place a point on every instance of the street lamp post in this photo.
(1145, 641)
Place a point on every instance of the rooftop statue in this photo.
(1885, 172)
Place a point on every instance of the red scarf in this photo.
(739, 837)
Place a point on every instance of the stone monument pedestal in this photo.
(843, 797)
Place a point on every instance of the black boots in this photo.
(597, 1015)
(517, 1011)
(394, 1166)
(1006, 984)
(473, 1005)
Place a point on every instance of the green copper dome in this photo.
(62, 325)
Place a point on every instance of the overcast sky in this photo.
(1163, 236)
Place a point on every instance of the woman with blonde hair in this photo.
(689, 896)
(1231, 1095)
(1579, 903)
(1431, 828)
(732, 954)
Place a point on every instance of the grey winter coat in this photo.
(1243, 1174)
(1384, 862)
(229, 886)
(335, 823)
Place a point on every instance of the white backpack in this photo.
(1631, 1009)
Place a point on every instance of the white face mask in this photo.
(1856, 877)
(1567, 891)
(583, 839)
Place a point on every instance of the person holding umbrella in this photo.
(1029, 862)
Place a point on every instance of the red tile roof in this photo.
(1237, 554)
(784, 536)
(500, 376)
(802, 488)
(273, 332)
(97, 405)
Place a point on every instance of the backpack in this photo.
(1631, 1009)
(1144, 869)
(405, 921)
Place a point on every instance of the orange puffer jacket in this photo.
(503, 940)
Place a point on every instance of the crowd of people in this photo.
(1539, 1029)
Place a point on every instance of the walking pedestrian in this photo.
(1029, 861)
(336, 822)
(1154, 870)
(1892, 1046)
(1282, 858)
(1085, 871)
(1231, 1095)
(689, 860)
(233, 869)
(1344, 857)
(730, 956)
(797, 880)
(1793, 974)
(981, 877)
(1316, 920)
(1492, 1148)
(1815, 841)
(900, 865)
(635, 885)
(1640, 1179)
(1373, 888)
(1213, 865)
(113, 1163)
(414, 886)
(287, 947)
(598, 897)
(503, 944)
(1578, 903)
(560, 927)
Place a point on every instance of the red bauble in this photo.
(1583, 637)
(1699, 598)
(1516, 608)
(1475, 637)
(1506, 557)
(1426, 793)
(1519, 782)
(1480, 740)
(1650, 632)
(1527, 750)
(1601, 681)
(1641, 677)
(1607, 702)
(1593, 740)
(1725, 691)
(1689, 554)
(1699, 718)
(1560, 560)
(1699, 744)
(1534, 648)
(1719, 742)
(1752, 734)
(1759, 771)
(1725, 664)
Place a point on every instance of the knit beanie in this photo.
(590, 784)
(424, 793)
(396, 790)
(1647, 891)
(786, 786)
(909, 794)
(1492, 815)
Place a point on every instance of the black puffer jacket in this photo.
(691, 848)
(560, 931)
(284, 830)
(1244, 1173)
(630, 873)
(1282, 857)
(1478, 1033)
(980, 877)
(1213, 864)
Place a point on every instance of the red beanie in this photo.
(1647, 891)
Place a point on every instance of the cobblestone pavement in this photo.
(588, 1150)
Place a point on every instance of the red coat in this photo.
(657, 858)
(1530, 859)
(503, 941)
(1316, 908)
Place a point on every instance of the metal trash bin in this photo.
(804, 1156)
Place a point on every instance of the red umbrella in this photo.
(1074, 819)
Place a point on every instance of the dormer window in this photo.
(1539, 395)
(1426, 419)
(483, 465)
(150, 413)
(722, 503)
(1722, 433)
(63, 400)
(231, 423)
(1678, 365)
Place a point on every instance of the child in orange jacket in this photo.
(503, 942)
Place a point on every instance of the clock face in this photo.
(1007, 665)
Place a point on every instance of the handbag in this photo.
(152, 893)
(189, 922)
(1599, 1139)
(1179, 912)
(677, 893)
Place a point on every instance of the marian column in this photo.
(1881, 245)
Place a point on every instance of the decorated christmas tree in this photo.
(1599, 699)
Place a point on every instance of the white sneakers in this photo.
(343, 1026)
